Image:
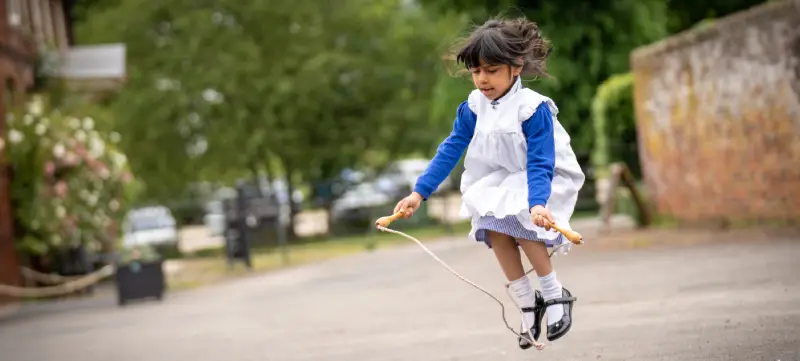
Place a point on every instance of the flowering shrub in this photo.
(69, 183)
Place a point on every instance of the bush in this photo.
(615, 125)
(70, 186)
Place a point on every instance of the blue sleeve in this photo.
(541, 155)
(449, 152)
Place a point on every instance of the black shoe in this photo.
(560, 328)
(535, 329)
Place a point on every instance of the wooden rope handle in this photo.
(386, 221)
(572, 236)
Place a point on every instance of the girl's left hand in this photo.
(541, 217)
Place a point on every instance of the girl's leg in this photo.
(537, 256)
(507, 252)
(551, 288)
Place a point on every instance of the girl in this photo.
(520, 171)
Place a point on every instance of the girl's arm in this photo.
(448, 153)
(538, 130)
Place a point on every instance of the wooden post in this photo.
(620, 172)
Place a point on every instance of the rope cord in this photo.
(537, 345)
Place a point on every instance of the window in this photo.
(14, 11)
(47, 22)
(8, 95)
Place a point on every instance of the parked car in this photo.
(214, 219)
(399, 178)
(153, 226)
(358, 201)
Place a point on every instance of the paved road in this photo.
(709, 302)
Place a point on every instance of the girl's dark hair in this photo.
(506, 42)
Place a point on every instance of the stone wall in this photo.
(718, 117)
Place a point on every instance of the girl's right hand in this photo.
(413, 201)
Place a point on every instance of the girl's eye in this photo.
(492, 71)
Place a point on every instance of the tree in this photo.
(685, 14)
(215, 87)
(591, 41)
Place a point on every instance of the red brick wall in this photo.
(718, 117)
(9, 269)
(16, 69)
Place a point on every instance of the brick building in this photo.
(26, 28)
(718, 117)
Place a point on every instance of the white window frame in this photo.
(14, 13)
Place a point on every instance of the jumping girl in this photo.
(521, 174)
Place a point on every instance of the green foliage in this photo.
(219, 89)
(686, 14)
(591, 40)
(215, 87)
(613, 118)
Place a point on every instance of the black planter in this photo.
(140, 280)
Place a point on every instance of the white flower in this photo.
(165, 84)
(15, 136)
(104, 173)
(92, 199)
(113, 205)
(56, 240)
(80, 136)
(96, 145)
(35, 106)
(74, 123)
(119, 160)
(85, 195)
(71, 158)
(59, 150)
(27, 119)
(212, 96)
(40, 129)
(88, 123)
(115, 138)
(61, 212)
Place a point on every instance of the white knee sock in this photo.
(551, 289)
(522, 291)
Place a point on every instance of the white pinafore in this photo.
(494, 183)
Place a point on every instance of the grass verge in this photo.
(209, 266)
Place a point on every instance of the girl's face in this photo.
(494, 80)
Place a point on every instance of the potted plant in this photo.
(139, 275)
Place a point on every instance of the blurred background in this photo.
(198, 135)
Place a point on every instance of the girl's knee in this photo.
(497, 237)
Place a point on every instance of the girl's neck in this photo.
(513, 82)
